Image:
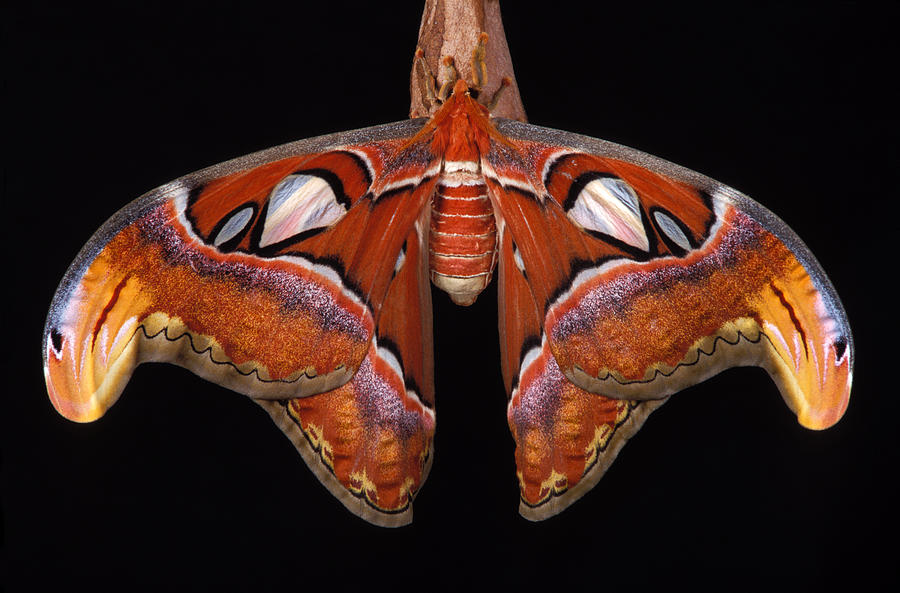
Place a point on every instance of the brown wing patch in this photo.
(566, 437)
(369, 441)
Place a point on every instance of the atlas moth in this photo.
(300, 276)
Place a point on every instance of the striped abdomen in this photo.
(463, 238)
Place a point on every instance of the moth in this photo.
(301, 275)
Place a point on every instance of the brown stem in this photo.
(451, 28)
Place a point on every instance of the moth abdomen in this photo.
(463, 238)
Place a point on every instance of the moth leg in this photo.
(479, 68)
(505, 82)
(427, 78)
(480, 74)
(451, 75)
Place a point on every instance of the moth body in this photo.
(463, 238)
(463, 230)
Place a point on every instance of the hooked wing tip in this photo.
(819, 393)
(810, 350)
(72, 383)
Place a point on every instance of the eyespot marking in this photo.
(671, 229)
(235, 224)
(610, 206)
(297, 204)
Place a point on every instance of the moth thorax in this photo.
(463, 238)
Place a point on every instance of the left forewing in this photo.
(265, 274)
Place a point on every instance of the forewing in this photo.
(649, 277)
(265, 274)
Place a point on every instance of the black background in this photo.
(187, 486)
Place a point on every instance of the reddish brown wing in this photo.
(643, 278)
(566, 437)
(278, 275)
(370, 440)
